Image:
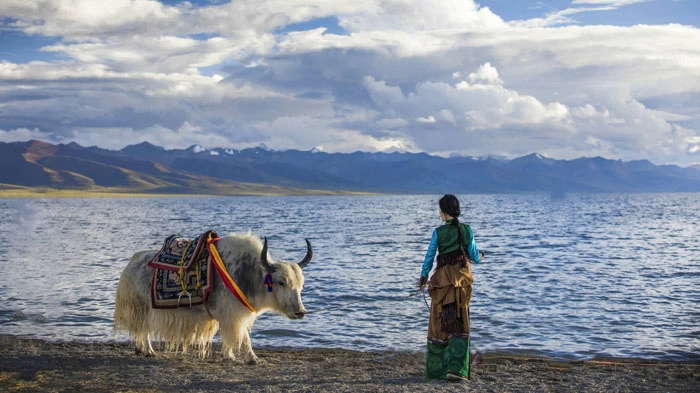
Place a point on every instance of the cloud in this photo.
(489, 115)
(486, 73)
(426, 119)
(305, 132)
(483, 104)
(446, 77)
(84, 19)
(24, 134)
(465, 113)
(565, 16)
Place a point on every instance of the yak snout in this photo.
(296, 312)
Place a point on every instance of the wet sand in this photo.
(31, 365)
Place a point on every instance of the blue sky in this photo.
(567, 79)
(642, 12)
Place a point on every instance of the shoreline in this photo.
(33, 365)
(45, 192)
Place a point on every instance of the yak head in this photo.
(284, 281)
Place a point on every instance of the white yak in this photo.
(247, 261)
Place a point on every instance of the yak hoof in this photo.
(149, 354)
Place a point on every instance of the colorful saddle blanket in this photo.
(182, 274)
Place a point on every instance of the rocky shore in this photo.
(31, 365)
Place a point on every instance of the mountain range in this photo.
(146, 168)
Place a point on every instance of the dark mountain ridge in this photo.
(151, 168)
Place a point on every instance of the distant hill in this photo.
(153, 169)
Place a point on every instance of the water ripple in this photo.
(574, 277)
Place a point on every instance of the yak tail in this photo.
(130, 312)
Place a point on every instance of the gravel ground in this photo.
(31, 365)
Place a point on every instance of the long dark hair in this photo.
(449, 204)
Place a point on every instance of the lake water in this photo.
(572, 276)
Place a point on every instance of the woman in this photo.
(450, 289)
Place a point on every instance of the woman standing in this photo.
(450, 289)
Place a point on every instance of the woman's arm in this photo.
(430, 255)
(473, 250)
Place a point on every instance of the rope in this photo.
(334, 307)
(362, 300)
(425, 299)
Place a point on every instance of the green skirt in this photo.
(443, 356)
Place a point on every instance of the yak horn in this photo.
(309, 254)
(263, 258)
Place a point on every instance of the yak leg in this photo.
(143, 344)
(149, 352)
(229, 341)
(235, 338)
(247, 350)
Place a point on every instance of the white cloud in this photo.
(392, 123)
(565, 16)
(24, 134)
(484, 105)
(164, 54)
(693, 144)
(84, 19)
(488, 109)
(446, 115)
(410, 74)
(302, 132)
(486, 73)
(592, 116)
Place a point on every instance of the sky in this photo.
(618, 79)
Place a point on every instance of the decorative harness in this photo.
(226, 277)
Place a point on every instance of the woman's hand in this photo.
(422, 282)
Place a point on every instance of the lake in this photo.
(568, 276)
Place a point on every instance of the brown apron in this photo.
(450, 289)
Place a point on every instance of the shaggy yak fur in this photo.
(248, 262)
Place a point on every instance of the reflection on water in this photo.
(572, 276)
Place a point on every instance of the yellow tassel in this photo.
(182, 263)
